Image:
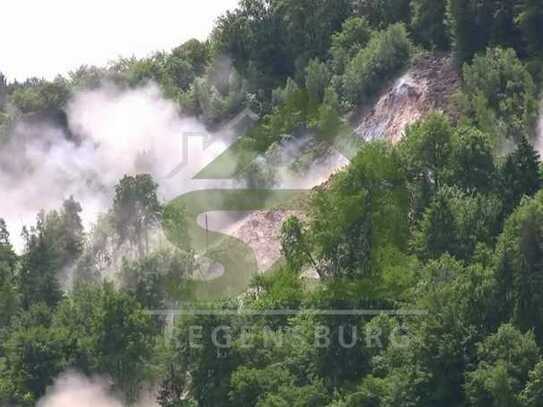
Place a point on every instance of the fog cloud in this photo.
(72, 389)
(117, 132)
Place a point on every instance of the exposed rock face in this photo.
(260, 230)
(425, 87)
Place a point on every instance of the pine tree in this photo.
(472, 26)
(72, 230)
(530, 21)
(7, 255)
(8, 262)
(37, 279)
(428, 22)
(520, 175)
(520, 266)
(505, 31)
(3, 90)
(136, 210)
(461, 20)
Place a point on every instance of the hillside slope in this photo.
(425, 87)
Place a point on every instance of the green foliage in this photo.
(530, 20)
(121, 340)
(281, 95)
(475, 25)
(386, 54)
(279, 289)
(329, 121)
(174, 72)
(499, 95)
(270, 40)
(471, 164)
(3, 92)
(293, 243)
(519, 175)
(33, 355)
(110, 334)
(251, 35)
(381, 13)
(461, 15)
(87, 77)
(425, 151)
(71, 234)
(259, 174)
(532, 395)
(292, 116)
(354, 36)
(37, 280)
(518, 266)
(37, 95)
(196, 53)
(150, 279)
(428, 369)
(308, 26)
(136, 210)
(9, 300)
(52, 246)
(217, 95)
(362, 217)
(97, 255)
(274, 386)
(196, 364)
(316, 80)
(505, 360)
(174, 220)
(416, 226)
(505, 28)
(139, 71)
(429, 23)
(455, 223)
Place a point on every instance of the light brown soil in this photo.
(427, 86)
(260, 230)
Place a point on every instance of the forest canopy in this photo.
(448, 221)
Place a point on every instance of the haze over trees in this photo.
(448, 221)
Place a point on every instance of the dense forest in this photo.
(441, 234)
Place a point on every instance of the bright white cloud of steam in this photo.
(41, 167)
(283, 155)
(72, 389)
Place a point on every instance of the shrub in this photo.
(499, 94)
(281, 95)
(387, 52)
(329, 120)
(317, 77)
(354, 35)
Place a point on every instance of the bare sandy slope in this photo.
(260, 230)
(427, 86)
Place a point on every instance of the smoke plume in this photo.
(117, 132)
(72, 389)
